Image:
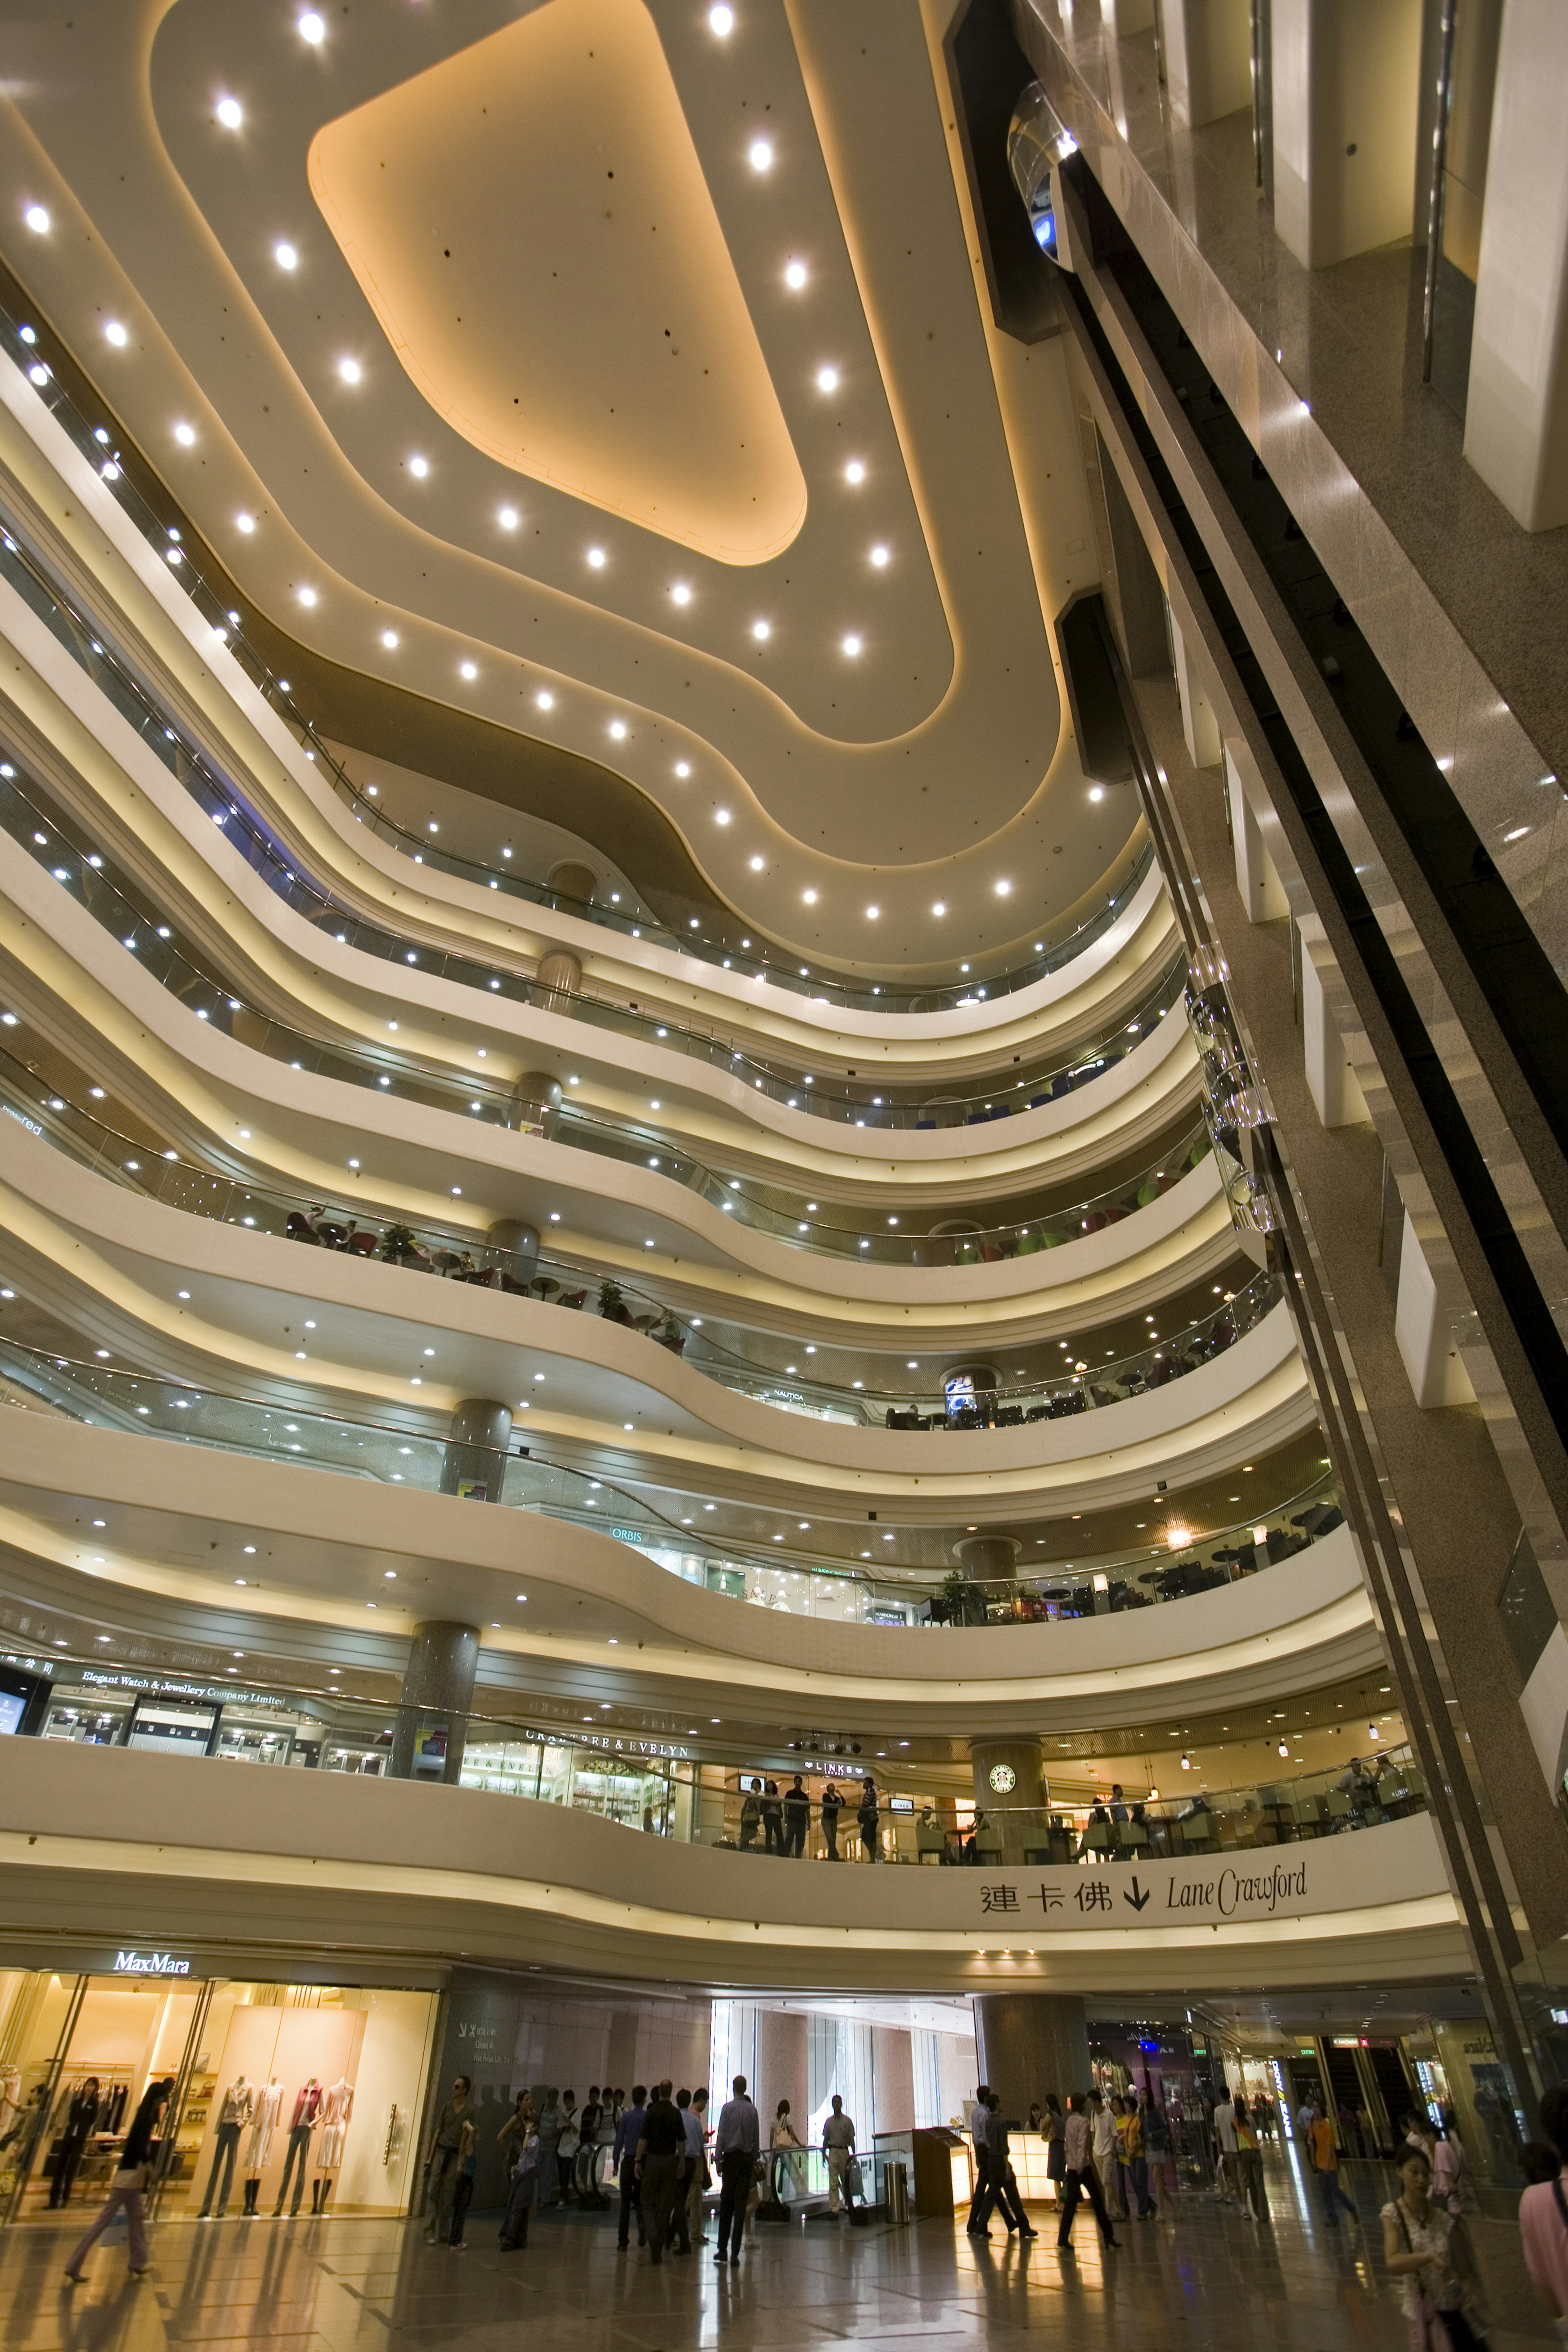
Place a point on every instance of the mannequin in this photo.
(265, 2110)
(337, 2106)
(10, 2098)
(239, 2101)
(307, 2106)
(80, 2116)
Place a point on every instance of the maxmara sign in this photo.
(149, 1964)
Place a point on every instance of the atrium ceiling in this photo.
(764, 516)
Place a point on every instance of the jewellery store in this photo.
(287, 2097)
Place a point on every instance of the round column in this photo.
(574, 879)
(521, 1243)
(559, 974)
(1010, 1790)
(1027, 2043)
(536, 1100)
(474, 1462)
(438, 1692)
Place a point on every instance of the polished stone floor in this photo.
(1210, 2277)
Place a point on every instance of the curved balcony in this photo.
(1092, 1615)
(362, 1858)
(721, 945)
(58, 844)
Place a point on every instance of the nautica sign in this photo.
(149, 1964)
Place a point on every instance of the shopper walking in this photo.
(837, 2147)
(979, 2125)
(1325, 2159)
(129, 2186)
(1000, 2190)
(1157, 2150)
(1426, 2250)
(701, 2179)
(1102, 2136)
(551, 2123)
(1134, 2157)
(444, 2163)
(1082, 2181)
(624, 2164)
(831, 1807)
(463, 2187)
(661, 2162)
(522, 2129)
(1249, 2163)
(736, 2146)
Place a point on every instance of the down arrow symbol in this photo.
(1135, 1898)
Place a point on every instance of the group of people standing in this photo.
(783, 1822)
(1107, 2153)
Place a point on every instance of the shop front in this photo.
(288, 2096)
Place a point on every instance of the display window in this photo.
(288, 2098)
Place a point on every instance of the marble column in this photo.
(536, 1100)
(438, 1692)
(1015, 1808)
(560, 975)
(1027, 2043)
(474, 1462)
(520, 1241)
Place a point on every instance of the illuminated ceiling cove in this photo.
(419, 377)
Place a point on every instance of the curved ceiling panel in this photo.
(576, 318)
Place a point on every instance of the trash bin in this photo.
(898, 2180)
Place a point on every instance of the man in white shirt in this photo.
(735, 2146)
(1102, 2133)
(1225, 2134)
(838, 2147)
(1079, 2178)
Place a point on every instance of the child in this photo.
(524, 2180)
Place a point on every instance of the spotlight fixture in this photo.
(285, 256)
(230, 113)
(762, 631)
(1097, 792)
(760, 155)
(37, 220)
(419, 468)
(389, 639)
(506, 518)
(795, 276)
(879, 557)
(722, 22)
(349, 371)
(855, 472)
(546, 701)
(185, 436)
(827, 379)
(680, 593)
(851, 646)
(310, 28)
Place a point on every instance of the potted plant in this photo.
(399, 1245)
(612, 1302)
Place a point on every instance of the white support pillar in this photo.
(1346, 90)
(1208, 59)
(1425, 1335)
(1516, 416)
(1331, 1081)
(1262, 892)
(1199, 725)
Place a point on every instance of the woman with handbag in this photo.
(130, 2184)
(1426, 2248)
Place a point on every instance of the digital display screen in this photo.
(13, 1706)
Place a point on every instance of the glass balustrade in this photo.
(684, 1789)
(58, 841)
(162, 1175)
(783, 1575)
(705, 934)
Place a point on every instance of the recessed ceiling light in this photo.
(721, 21)
(683, 767)
(284, 255)
(796, 275)
(760, 155)
(596, 557)
(618, 729)
(852, 645)
(854, 471)
(872, 913)
(230, 113)
(312, 28)
(810, 897)
(762, 631)
(1003, 889)
(116, 334)
(720, 816)
(37, 220)
(185, 436)
(1097, 792)
(307, 595)
(349, 370)
(389, 639)
(756, 865)
(506, 518)
(419, 468)
(827, 379)
(467, 670)
(246, 523)
(546, 701)
(879, 557)
(681, 593)
(939, 907)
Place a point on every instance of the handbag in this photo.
(852, 2184)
